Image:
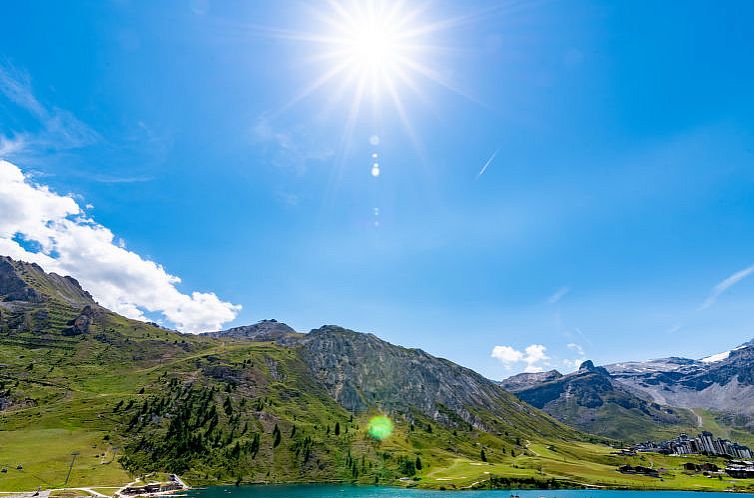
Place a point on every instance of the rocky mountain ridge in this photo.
(722, 382)
(664, 391)
(592, 401)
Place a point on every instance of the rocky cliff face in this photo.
(32, 301)
(28, 282)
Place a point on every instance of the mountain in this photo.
(364, 373)
(591, 400)
(260, 403)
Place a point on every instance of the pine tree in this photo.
(337, 428)
(483, 455)
(418, 463)
(276, 436)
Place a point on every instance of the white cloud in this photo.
(725, 285)
(73, 244)
(507, 354)
(558, 295)
(532, 356)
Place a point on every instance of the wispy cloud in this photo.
(726, 284)
(288, 198)
(558, 295)
(582, 335)
(11, 145)
(293, 147)
(120, 179)
(675, 328)
(487, 164)
(60, 129)
(533, 356)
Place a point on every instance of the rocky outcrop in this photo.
(28, 282)
(266, 330)
(82, 323)
(521, 381)
(12, 286)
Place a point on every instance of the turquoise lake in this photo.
(333, 491)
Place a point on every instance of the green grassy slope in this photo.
(128, 398)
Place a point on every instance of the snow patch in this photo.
(716, 357)
(721, 356)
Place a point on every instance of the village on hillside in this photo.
(740, 464)
(703, 444)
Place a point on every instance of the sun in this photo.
(369, 41)
(373, 44)
(376, 51)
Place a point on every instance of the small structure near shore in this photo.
(740, 469)
(703, 467)
(639, 469)
(153, 488)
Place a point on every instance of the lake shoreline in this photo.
(302, 490)
(440, 488)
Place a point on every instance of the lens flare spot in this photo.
(380, 427)
(375, 171)
(374, 140)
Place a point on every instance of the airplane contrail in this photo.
(487, 164)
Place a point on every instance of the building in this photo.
(740, 469)
(639, 469)
(705, 443)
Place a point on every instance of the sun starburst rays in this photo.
(371, 51)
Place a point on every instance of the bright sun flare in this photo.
(371, 44)
(373, 50)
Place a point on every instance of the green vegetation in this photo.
(129, 398)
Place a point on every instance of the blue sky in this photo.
(618, 203)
